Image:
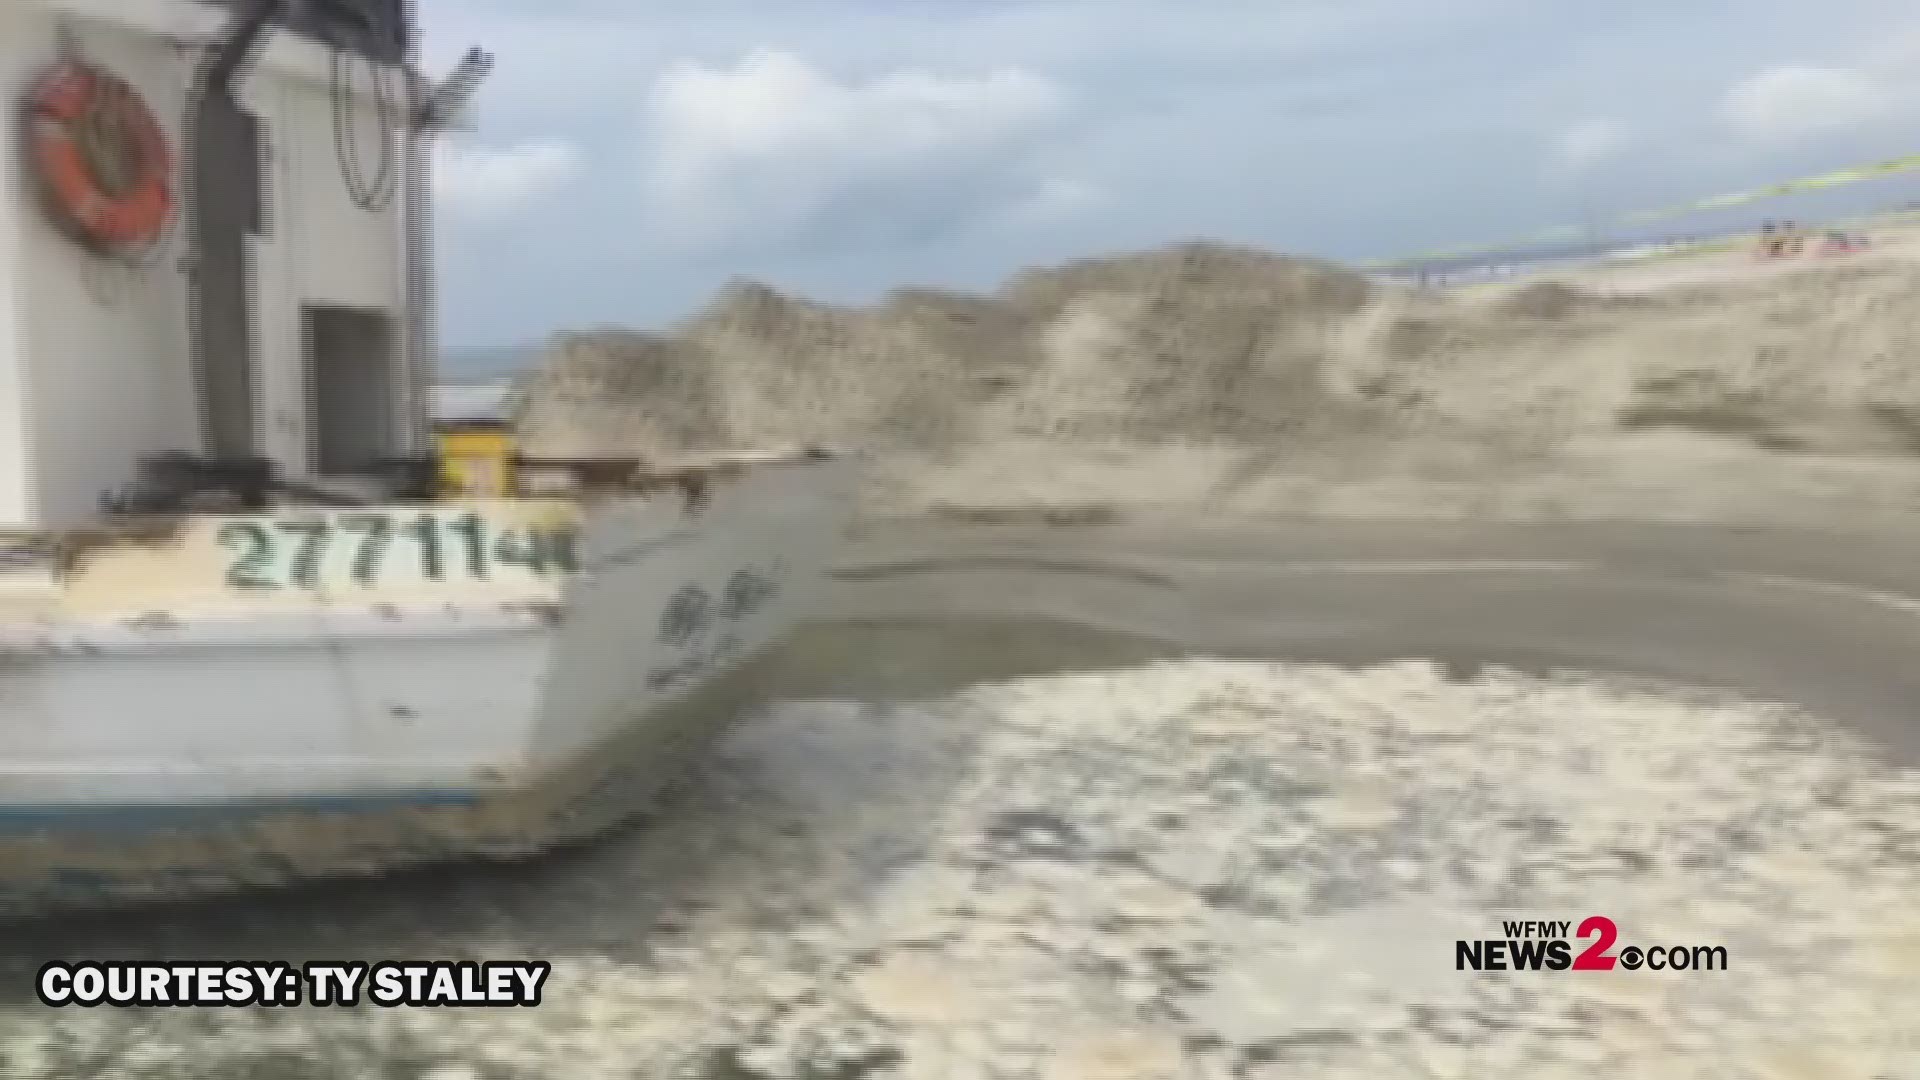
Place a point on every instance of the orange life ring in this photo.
(72, 111)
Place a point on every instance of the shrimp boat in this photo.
(250, 632)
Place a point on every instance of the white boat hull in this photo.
(164, 733)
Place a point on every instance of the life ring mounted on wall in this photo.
(103, 164)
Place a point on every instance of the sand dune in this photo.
(1255, 384)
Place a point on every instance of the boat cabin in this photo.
(230, 281)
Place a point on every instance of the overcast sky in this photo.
(628, 157)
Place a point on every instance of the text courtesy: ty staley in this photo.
(214, 984)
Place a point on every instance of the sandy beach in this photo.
(1390, 615)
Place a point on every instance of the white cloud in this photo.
(491, 182)
(775, 147)
(1056, 198)
(1588, 145)
(1799, 100)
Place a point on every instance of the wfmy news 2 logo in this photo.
(1546, 945)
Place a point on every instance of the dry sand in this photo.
(1247, 384)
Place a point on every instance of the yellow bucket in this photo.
(476, 459)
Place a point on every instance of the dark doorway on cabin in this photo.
(226, 209)
(352, 386)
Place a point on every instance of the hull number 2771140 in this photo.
(366, 550)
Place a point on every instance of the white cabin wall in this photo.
(107, 375)
(280, 387)
(17, 502)
(324, 249)
(357, 263)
